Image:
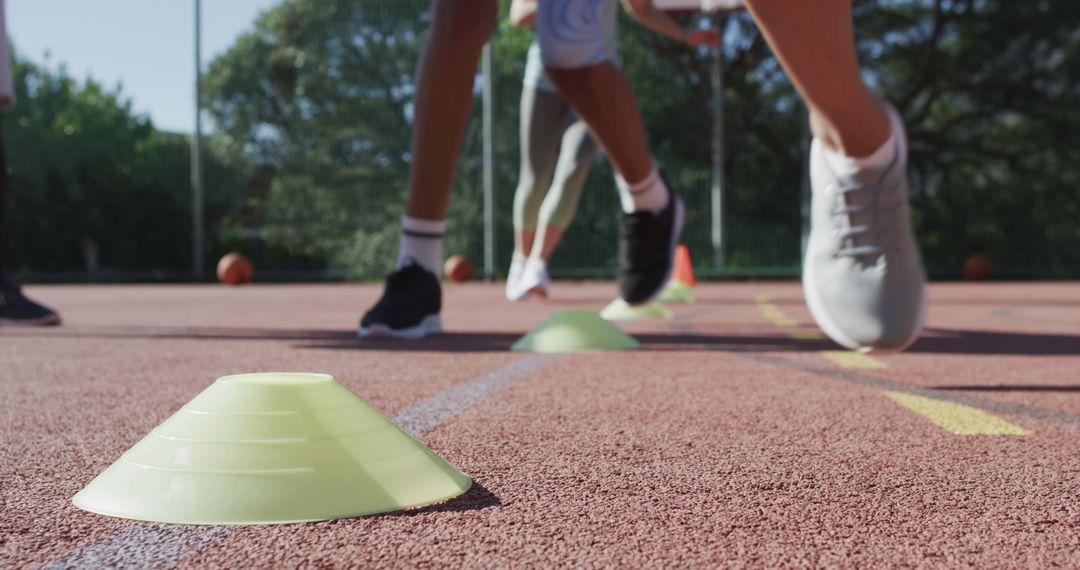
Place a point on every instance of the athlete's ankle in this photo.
(421, 243)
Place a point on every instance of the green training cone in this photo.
(272, 448)
(677, 292)
(575, 331)
(620, 310)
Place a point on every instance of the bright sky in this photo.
(145, 45)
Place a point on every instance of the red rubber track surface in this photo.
(724, 441)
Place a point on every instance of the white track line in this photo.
(142, 546)
(435, 411)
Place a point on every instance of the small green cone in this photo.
(677, 292)
(575, 331)
(620, 310)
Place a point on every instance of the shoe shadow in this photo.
(960, 341)
(933, 341)
(186, 333)
(1048, 388)
(502, 342)
(445, 342)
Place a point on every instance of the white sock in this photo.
(422, 242)
(649, 194)
(879, 159)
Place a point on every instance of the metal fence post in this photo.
(489, 165)
(196, 156)
(718, 148)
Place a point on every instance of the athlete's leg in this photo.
(577, 53)
(815, 42)
(862, 275)
(412, 299)
(604, 97)
(543, 119)
(444, 90)
(557, 212)
(544, 115)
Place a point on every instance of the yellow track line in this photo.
(774, 314)
(956, 418)
(846, 359)
(777, 317)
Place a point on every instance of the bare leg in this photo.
(577, 49)
(412, 299)
(815, 42)
(444, 87)
(604, 97)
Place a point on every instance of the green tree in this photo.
(317, 97)
(989, 90)
(89, 173)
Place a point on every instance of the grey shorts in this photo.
(576, 33)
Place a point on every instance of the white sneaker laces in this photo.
(869, 220)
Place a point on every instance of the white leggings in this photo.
(557, 152)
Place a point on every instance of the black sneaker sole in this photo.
(46, 321)
(430, 325)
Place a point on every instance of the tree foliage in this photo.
(318, 95)
(991, 93)
(95, 188)
(311, 111)
(85, 173)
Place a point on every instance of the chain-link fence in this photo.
(333, 185)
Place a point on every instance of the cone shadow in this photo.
(477, 498)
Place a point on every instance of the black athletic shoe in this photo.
(647, 250)
(17, 310)
(409, 307)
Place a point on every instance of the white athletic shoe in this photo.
(863, 276)
(534, 278)
(517, 265)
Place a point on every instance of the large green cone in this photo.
(272, 448)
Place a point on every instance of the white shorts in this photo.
(576, 33)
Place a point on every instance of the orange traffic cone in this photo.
(684, 270)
